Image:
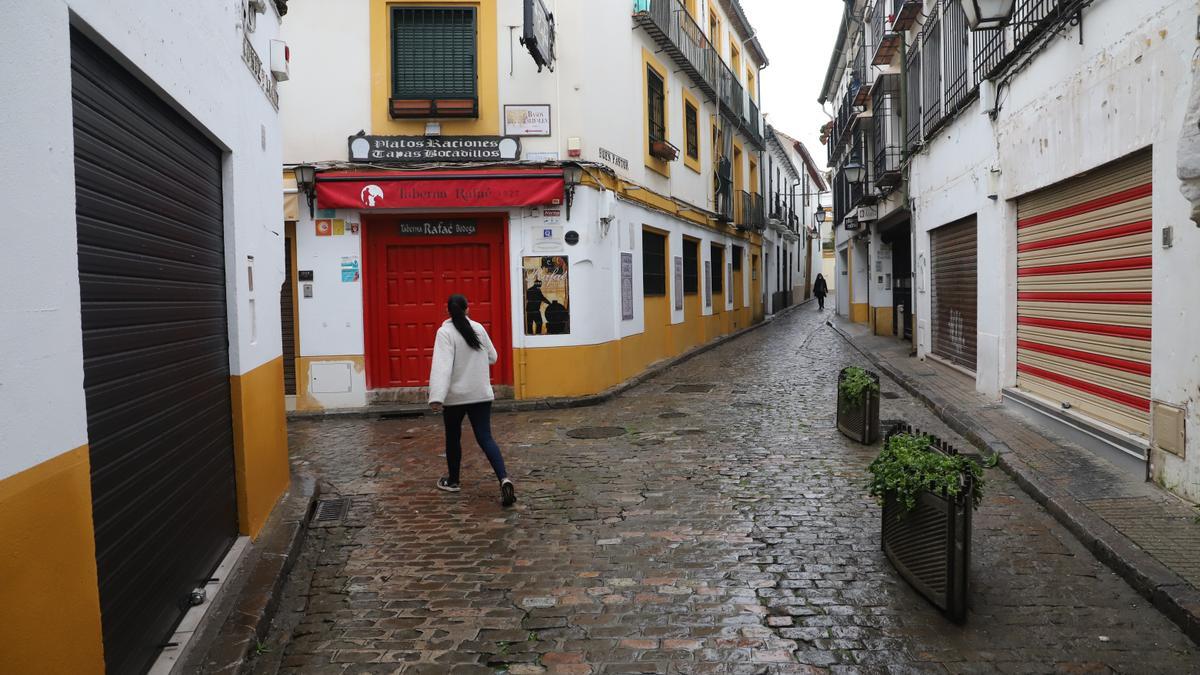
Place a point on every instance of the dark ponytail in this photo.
(457, 304)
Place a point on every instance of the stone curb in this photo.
(508, 406)
(1166, 590)
(247, 623)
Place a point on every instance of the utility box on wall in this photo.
(1169, 429)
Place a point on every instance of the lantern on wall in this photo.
(987, 14)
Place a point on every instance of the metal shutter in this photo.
(953, 268)
(433, 52)
(155, 353)
(1083, 294)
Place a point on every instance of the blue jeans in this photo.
(481, 424)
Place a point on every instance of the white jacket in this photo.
(461, 375)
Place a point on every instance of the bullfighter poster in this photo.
(547, 301)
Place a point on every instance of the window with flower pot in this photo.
(659, 151)
(434, 62)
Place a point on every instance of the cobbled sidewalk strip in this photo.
(1098, 530)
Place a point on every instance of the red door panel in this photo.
(408, 280)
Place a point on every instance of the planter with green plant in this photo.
(928, 492)
(858, 404)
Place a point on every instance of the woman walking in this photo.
(820, 289)
(460, 386)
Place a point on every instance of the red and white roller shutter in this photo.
(1083, 294)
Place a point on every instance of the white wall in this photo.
(1075, 108)
(41, 379)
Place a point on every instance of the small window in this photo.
(691, 121)
(434, 62)
(737, 258)
(654, 264)
(657, 102)
(691, 267)
(718, 268)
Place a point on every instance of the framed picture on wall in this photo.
(547, 300)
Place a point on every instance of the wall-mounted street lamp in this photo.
(572, 175)
(820, 215)
(855, 172)
(306, 183)
(987, 14)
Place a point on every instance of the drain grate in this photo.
(889, 394)
(596, 432)
(692, 388)
(672, 415)
(330, 512)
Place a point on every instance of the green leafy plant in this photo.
(855, 383)
(908, 466)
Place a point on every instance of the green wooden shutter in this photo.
(433, 53)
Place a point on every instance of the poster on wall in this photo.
(526, 120)
(627, 287)
(678, 283)
(708, 283)
(729, 284)
(547, 302)
(350, 269)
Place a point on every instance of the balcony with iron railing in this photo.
(885, 42)
(864, 75)
(888, 132)
(906, 13)
(678, 34)
(750, 212)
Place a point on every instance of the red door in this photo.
(409, 279)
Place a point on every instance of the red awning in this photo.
(502, 187)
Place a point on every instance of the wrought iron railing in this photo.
(888, 136)
(679, 34)
(912, 112)
(991, 48)
(957, 58)
(931, 75)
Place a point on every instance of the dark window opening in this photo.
(654, 264)
(434, 62)
(691, 267)
(737, 258)
(691, 119)
(718, 269)
(657, 101)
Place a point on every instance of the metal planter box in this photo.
(859, 420)
(930, 546)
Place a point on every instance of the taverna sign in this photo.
(431, 149)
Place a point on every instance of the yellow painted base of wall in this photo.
(259, 443)
(555, 372)
(882, 321)
(860, 312)
(49, 592)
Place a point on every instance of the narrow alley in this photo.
(710, 520)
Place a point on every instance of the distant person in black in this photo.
(820, 289)
(557, 319)
(534, 299)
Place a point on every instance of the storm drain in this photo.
(596, 432)
(672, 415)
(889, 394)
(330, 512)
(692, 388)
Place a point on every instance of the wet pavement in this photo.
(722, 531)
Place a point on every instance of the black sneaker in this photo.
(508, 493)
(445, 485)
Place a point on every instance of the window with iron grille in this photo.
(654, 263)
(991, 48)
(718, 269)
(957, 57)
(657, 102)
(691, 266)
(912, 73)
(433, 53)
(691, 121)
(1029, 18)
(931, 74)
(889, 146)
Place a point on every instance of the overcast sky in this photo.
(798, 36)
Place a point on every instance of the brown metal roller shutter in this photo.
(287, 314)
(1084, 294)
(953, 268)
(155, 353)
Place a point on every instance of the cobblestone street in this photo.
(724, 532)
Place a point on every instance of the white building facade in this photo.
(141, 433)
(599, 200)
(1051, 234)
